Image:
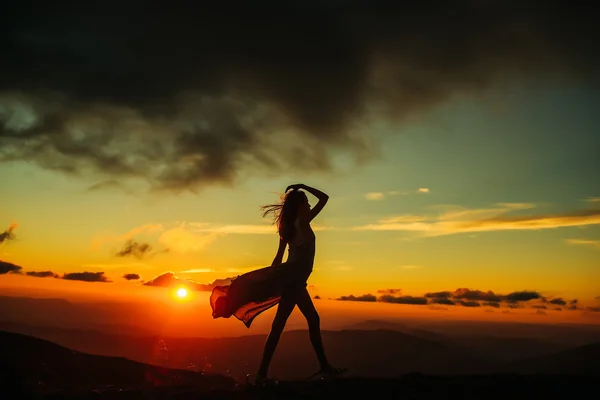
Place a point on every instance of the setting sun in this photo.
(182, 292)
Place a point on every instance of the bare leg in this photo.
(306, 306)
(284, 309)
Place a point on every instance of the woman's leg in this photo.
(284, 309)
(306, 306)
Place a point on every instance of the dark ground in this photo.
(407, 387)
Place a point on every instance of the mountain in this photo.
(583, 360)
(32, 368)
(381, 353)
(496, 349)
(29, 362)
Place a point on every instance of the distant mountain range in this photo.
(369, 349)
(32, 363)
(32, 368)
(367, 352)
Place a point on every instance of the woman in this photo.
(283, 283)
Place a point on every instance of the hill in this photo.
(33, 368)
(583, 360)
(373, 353)
(33, 363)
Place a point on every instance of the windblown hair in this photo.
(285, 213)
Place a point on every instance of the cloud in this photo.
(42, 274)
(244, 103)
(8, 234)
(469, 303)
(410, 266)
(86, 276)
(135, 249)
(439, 295)
(585, 242)
(558, 301)
(592, 199)
(468, 294)
(109, 184)
(524, 295)
(365, 297)
(387, 298)
(169, 279)
(131, 277)
(374, 196)
(442, 300)
(196, 271)
(423, 190)
(9, 268)
(461, 220)
(389, 291)
(184, 240)
(464, 297)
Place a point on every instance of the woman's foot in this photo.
(260, 381)
(329, 372)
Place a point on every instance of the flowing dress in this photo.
(252, 293)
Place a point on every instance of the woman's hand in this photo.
(294, 187)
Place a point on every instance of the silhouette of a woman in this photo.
(282, 283)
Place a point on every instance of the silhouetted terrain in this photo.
(37, 369)
(30, 363)
(368, 353)
(495, 349)
(584, 360)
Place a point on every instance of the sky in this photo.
(459, 147)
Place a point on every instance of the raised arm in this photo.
(318, 194)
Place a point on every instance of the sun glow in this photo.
(182, 293)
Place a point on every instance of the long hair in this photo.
(285, 213)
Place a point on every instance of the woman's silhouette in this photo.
(282, 283)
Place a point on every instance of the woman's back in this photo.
(303, 245)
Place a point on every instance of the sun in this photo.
(182, 293)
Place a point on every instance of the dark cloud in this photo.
(539, 306)
(469, 303)
(317, 297)
(135, 249)
(9, 268)
(389, 291)
(131, 277)
(438, 295)
(169, 279)
(402, 299)
(541, 312)
(41, 274)
(7, 234)
(442, 300)
(364, 297)
(86, 276)
(558, 301)
(557, 309)
(184, 96)
(462, 297)
(592, 309)
(468, 294)
(522, 296)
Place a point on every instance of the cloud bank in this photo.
(192, 96)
